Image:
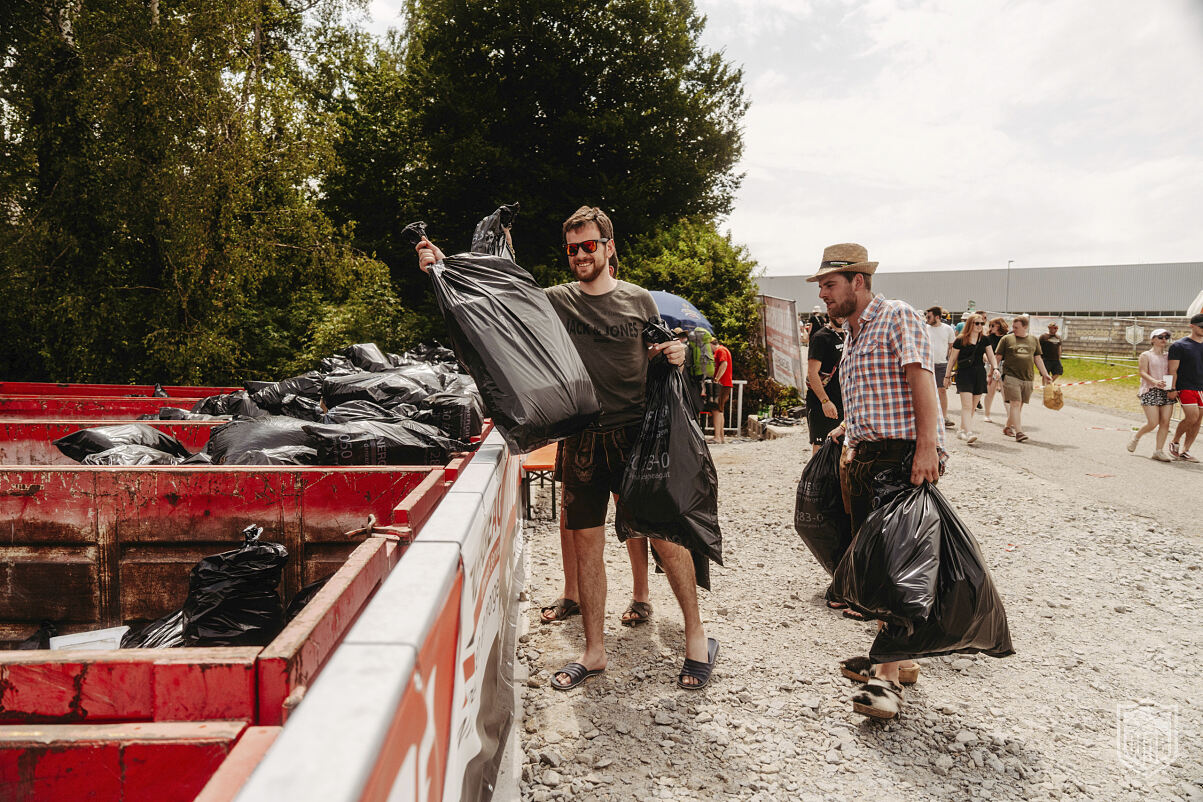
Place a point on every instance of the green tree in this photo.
(547, 103)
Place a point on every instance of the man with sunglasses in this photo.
(1186, 366)
(604, 317)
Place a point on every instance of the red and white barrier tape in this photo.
(1096, 381)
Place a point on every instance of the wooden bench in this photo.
(539, 464)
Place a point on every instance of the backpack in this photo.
(699, 357)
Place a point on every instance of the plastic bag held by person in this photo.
(232, 598)
(889, 571)
(669, 488)
(505, 332)
(819, 515)
(1053, 399)
(968, 615)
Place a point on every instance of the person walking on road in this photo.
(605, 317)
(1050, 351)
(824, 403)
(891, 414)
(1019, 351)
(941, 335)
(1186, 368)
(996, 329)
(1154, 367)
(721, 388)
(972, 352)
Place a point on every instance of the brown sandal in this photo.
(638, 612)
(561, 609)
(860, 669)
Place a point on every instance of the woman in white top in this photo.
(1154, 365)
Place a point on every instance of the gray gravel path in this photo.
(1102, 584)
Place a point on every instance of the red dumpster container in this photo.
(31, 442)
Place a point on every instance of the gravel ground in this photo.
(1102, 592)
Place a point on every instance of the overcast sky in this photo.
(947, 134)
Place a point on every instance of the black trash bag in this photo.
(252, 386)
(890, 569)
(272, 396)
(431, 353)
(40, 639)
(491, 235)
(968, 615)
(459, 415)
(669, 487)
(159, 392)
(367, 356)
(368, 410)
(819, 515)
(335, 364)
(238, 436)
(235, 403)
(199, 458)
(303, 597)
(175, 413)
(368, 442)
(506, 333)
(232, 597)
(387, 389)
(302, 408)
(460, 383)
(164, 633)
(131, 455)
(284, 455)
(78, 445)
(428, 377)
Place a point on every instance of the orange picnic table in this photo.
(539, 464)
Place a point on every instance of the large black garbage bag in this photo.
(199, 458)
(164, 633)
(427, 376)
(368, 410)
(819, 515)
(232, 597)
(271, 397)
(459, 415)
(40, 639)
(431, 352)
(368, 442)
(889, 571)
(504, 330)
(302, 408)
(238, 436)
(236, 403)
(490, 236)
(303, 597)
(284, 455)
(669, 488)
(131, 455)
(78, 445)
(968, 615)
(387, 389)
(175, 413)
(367, 356)
(335, 364)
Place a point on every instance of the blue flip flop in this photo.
(699, 670)
(577, 674)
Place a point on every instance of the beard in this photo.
(588, 272)
(841, 307)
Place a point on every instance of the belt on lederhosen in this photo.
(892, 448)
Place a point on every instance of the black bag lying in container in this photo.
(130, 456)
(238, 436)
(889, 571)
(431, 352)
(367, 442)
(427, 377)
(669, 488)
(367, 356)
(506, 333)
(459, 415)
(368, 410)
(164, 633)
(232, 597)
(301, 408)
(78, 445)
(236, 403)
(272, 396)
(819, 515)
(968, 615)
(284, 455)
(387, 389)
(175, 413)
(40, 639)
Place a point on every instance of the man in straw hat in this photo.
(891, 416)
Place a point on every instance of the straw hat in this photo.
(847, 256)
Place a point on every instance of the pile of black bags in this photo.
(913, 564)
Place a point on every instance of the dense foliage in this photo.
(194, 192)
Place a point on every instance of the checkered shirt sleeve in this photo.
(877, 399)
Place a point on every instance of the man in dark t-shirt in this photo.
(824, 403)
(1186, 366)
(1050, 349)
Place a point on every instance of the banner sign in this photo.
(781, 341)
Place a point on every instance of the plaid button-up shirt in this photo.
(877, 398)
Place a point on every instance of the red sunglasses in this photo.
(590, 246)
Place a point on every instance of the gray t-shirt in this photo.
(607, 331)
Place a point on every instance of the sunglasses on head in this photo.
(590, 246)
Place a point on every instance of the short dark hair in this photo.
(850, 274)
(935, 310)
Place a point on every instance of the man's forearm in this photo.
(927, 407)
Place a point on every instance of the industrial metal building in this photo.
(1152, 290)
